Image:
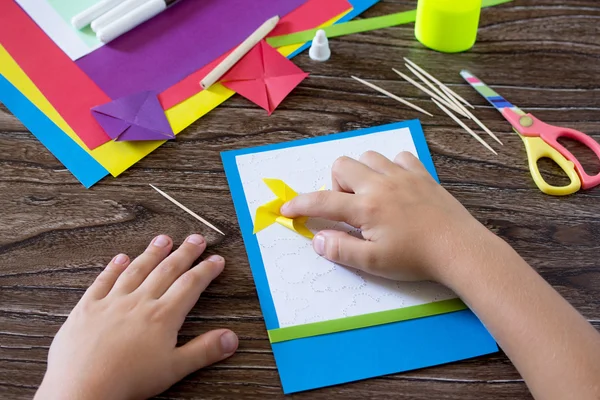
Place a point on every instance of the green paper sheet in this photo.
(67, 9)
(357, 26)
(365, 320)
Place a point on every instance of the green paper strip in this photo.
(365, 320)
(357, 26)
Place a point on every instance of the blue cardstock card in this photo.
(335, 358)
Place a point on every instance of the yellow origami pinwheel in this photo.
(269, 213)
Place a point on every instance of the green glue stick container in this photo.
(449, 26)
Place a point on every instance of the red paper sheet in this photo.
(308, 16)
(67, 87)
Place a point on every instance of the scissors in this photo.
(540, 141)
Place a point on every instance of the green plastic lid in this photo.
(449, 26)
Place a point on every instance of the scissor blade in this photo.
(488, 93)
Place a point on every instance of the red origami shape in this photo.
(264, 76)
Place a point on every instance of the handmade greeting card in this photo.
(328, 323)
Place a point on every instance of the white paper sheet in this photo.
(305, 287)
(74, 43)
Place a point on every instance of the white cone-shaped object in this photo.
(319, 50)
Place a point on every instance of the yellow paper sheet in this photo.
(117, 157)
(269, 213)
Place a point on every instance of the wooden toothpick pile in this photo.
(444, 98)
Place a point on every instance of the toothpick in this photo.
(187, 210)
(482, 126)
(393, 96)
(429, 92)
(440, 84)
(443, 95)
(456, 101)
(465, 127)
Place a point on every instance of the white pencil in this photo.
(393, 96)
(239, 52)
(187, 210)
(429, 92)
(85, 17)
(465, 127)
(437, 82)
(140, 14)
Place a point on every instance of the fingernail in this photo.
(229, 342)
(319, 244)
(120, 259)
(195, 239)
(215, 258)
(284, 207)
(161, 241)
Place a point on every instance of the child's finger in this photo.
(378, 162)
(171, 268)
(409, 162)
(139, 269)
(351, 175)
(185, 291)
(107, 278)
(342, 248)
(328, 204)
(205, 350)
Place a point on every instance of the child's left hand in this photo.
(120, 341)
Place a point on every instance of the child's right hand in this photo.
(413, 228)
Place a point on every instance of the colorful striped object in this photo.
(490, 94)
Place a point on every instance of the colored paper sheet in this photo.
(117, 157)
(365, 320)
(269, 213)
(54, 17)
(326, 360)
(177, 42)
(68, 88)
(87, 170)
(135, 117)
(311, 14)
(333, 358)
(361, 25)
(67, 9)
(264, 76)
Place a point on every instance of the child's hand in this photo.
(413, 227)
(119, 342)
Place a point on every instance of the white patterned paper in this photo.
(305, 287)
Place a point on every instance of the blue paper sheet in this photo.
(87, 170)
(335, 358)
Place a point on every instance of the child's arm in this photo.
(120, 341)
(415, 230)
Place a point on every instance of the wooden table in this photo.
(55, 236)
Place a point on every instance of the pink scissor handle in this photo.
(529, 125)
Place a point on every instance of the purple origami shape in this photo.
(135, 117)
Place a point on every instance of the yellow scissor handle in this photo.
(536, 149)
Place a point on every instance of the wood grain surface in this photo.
(55, 236)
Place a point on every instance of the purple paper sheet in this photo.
(179, 41)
